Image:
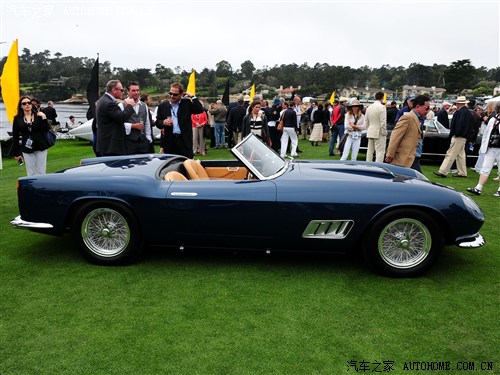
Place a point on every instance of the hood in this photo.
(359, 170)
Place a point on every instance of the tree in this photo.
(247, 69)
(459, 76)
(223, 69)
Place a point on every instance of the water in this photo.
(63, 113)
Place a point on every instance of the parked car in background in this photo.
(113, 206)
(436, 142)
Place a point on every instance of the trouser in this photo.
(289, 133)
(236, 136)
(377, 145)
(220, 137)
(491, 156)
(36, 162)
(199, 140)
(275, 135)
(303, 130)
(335, 131)
(138, 146)
(351, 143)
(456, 151)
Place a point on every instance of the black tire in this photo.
(403, 243)
(107, 233)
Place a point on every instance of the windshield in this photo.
(258, 157)
(434, 126)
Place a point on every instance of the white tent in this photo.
(493, 100)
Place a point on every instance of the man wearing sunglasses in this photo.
(407, 133)
(110, 120)
(174, 120)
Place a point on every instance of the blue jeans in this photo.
(337, 130)
(220, 137)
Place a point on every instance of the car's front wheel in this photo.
(106, 233)
(403, 243)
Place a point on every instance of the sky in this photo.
(198, 34)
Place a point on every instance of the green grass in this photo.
(199, 312)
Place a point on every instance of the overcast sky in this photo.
(199, 34)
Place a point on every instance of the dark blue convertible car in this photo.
(113, 206)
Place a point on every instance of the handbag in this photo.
(50, 138)
(280, 126)
(341, 145)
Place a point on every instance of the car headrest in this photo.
(174, 176)
(195, 170)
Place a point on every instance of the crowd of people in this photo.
(124, 126)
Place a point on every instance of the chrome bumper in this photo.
(21, 224)
(477, 241)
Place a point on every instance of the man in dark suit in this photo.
(51, 113)
(442, 115)
(110, 120)
(174, 119)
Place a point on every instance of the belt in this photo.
(176, 135)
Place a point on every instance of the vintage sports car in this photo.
(113, 206)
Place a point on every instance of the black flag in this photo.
(225, 96)
(93, 89)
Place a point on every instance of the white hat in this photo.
(446, 103)
(461, 100)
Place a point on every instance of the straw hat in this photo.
(354, 103)
(461, 100)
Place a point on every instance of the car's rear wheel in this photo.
(403, 243)
(106, 233)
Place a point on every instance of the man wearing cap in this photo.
(460, 130)
(376, 129)
(442, 115)
(406, 108)
(337, 128)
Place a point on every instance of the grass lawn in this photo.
(238, 313)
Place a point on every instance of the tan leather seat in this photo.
(195, 170)
(174, 176)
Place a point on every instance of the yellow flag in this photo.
(10, 82)
(385, 98)
(332, 98)
(192, 83)
(252, 93)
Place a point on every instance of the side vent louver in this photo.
(328, 229)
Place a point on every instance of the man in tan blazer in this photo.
(376, 128)
(407, 133)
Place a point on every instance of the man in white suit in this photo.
(376, 129)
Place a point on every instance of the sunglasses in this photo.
(122, 90)
(25, 103)
(174, 93)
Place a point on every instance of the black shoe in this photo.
(474, 191)
(439, 174)
(459, 175)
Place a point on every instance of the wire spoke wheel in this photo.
(404, 243)
(105, 232)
